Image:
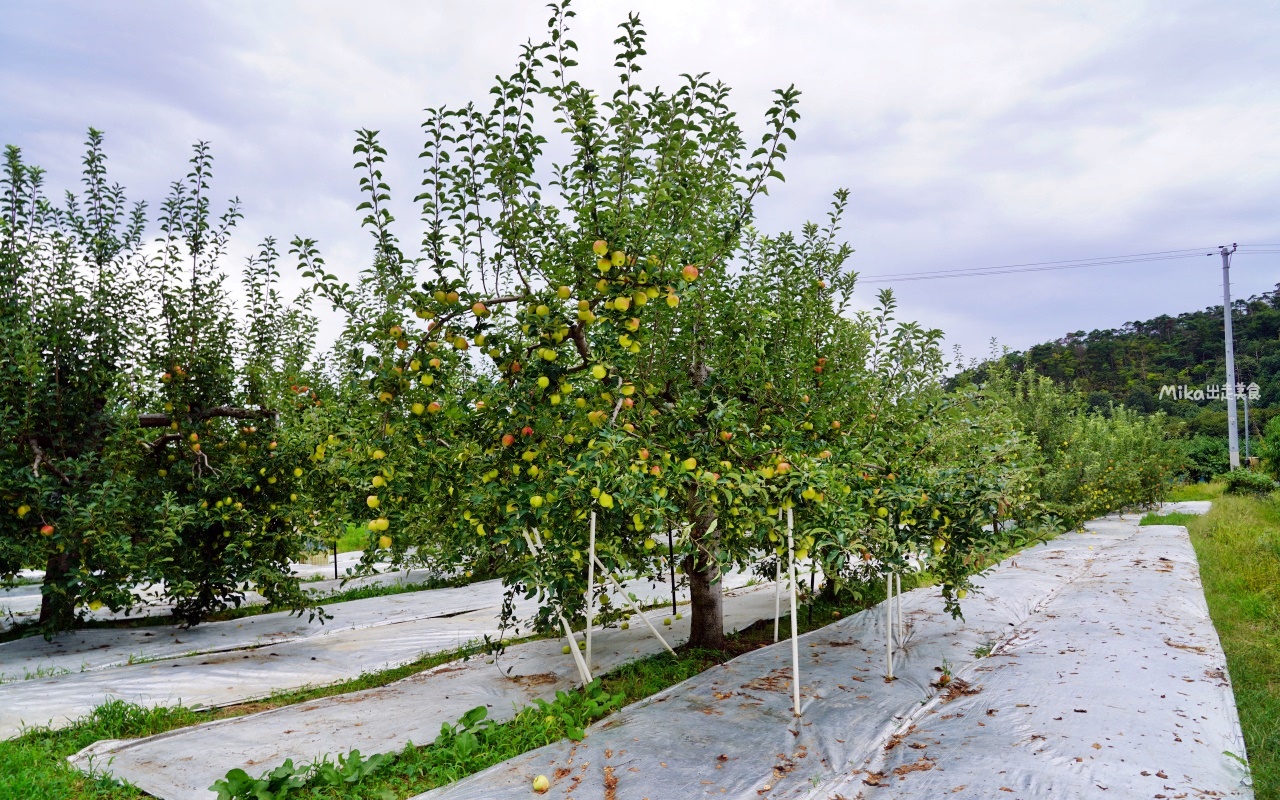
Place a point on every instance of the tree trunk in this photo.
(57, 610)
(707, 600)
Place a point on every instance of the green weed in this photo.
(1238, 545)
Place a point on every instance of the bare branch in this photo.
(40, 456)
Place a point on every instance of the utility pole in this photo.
(1245, 399)
(1233, 434)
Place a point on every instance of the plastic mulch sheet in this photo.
(1104, 678)
(223, 663)
(21, 604)
(184, 763)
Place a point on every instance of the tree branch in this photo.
(229, 412)
(40, 456)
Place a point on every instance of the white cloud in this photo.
(969, 134)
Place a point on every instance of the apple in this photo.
(46, 530)
(297, 472)
(725, 436)
(372, 501)
(655, 470)
(617, 258)
(451, 297)
(783, 468)
(417, 409)
(622, 303)
(384, 542)
(395, 331)
(162, 472)
(624, 625)
(434, 407)
(598, 372)
(165, 378)
(605, 500)
(540, 783)
(544, 382)
(666, 621)
(378, 455)
(835, 424)
(673, 300)
(644, 454)
(542, 310)
(196, 447)
(962, 594)
(23, 510)
(689, 463)
(689, 273)
(529, 455)
(536, 501)
(386, 397)
(600, 247)
(480, 310)
(508, 440)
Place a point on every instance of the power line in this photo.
(1040, 266)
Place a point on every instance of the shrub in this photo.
(1243, 481)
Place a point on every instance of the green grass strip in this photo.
(1238, 545)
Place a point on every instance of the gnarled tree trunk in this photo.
(706, 598)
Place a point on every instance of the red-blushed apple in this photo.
(508, 440)
(689, 273)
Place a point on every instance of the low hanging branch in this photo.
(229, 412)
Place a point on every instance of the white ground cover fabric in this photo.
(182, 764)
(223, 663)
(22, 603)
(1106, 679)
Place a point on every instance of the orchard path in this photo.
(1105, 679)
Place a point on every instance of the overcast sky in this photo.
(969, 134)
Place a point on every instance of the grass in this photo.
(1195, 491)
(1238, 545)
(1175, 518)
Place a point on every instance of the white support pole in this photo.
(897, 592)
(795, 645)
(888, 626)
(583, 671)
(535, 547)
(591, 585)
(632, 603)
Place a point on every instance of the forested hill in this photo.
(1130, 364)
